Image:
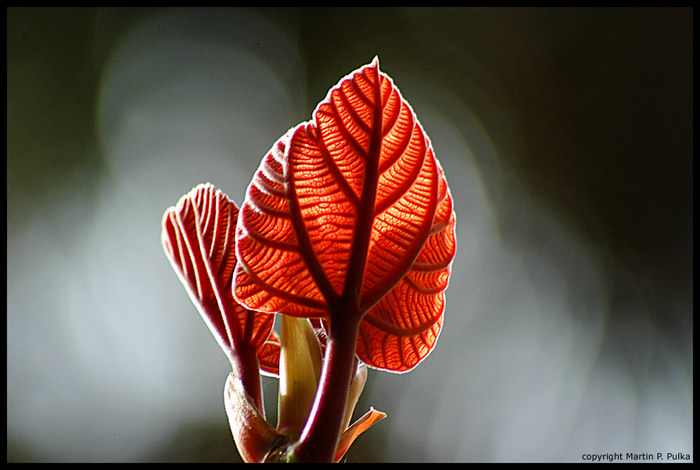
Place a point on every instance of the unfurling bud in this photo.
(300, 369)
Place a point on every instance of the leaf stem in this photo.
(319, 438)
(246, 367)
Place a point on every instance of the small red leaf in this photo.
(269, 355)
(352, 205)
(198, 240)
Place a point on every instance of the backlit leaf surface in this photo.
(400, 330)
(352, 205)
(198, 238)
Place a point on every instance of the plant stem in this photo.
(319, 438)
(246, 367)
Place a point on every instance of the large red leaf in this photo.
(342, 208)
(198, 238)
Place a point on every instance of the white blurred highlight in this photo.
(102, 338)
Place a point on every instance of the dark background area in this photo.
(589, 109)
(601, 99)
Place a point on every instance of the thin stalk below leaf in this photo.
(319, 439)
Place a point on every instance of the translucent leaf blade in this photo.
(271, 274)
(402, 329)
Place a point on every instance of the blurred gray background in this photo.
(566, 137)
